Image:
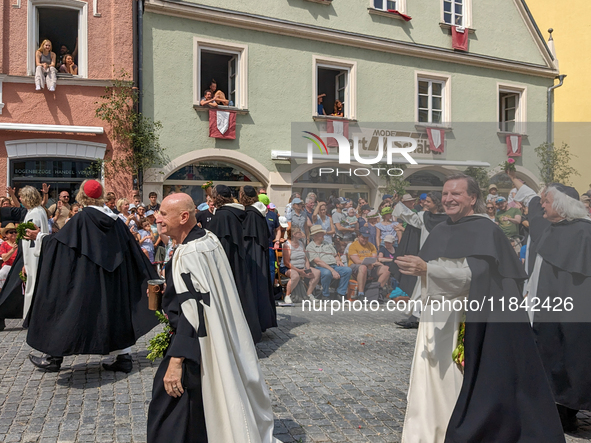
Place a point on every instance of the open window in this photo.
(511, 106)
(64, 23)
(335, 83)
(224, 64)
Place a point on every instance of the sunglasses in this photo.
(10, 232)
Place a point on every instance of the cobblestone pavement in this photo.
(332, 379)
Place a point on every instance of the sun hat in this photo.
(283, 221)
(390, 238)
(317, 229)
(492, 187)
(386, 210)
(264, 199)
(8, 227)
(407, 198)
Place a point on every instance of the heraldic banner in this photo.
(222, 124)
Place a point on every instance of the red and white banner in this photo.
(222, 124)
(340, 127)
(436, 139)
(514, 145)
(406, 18)
(459, 38)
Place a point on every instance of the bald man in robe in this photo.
(209, 386)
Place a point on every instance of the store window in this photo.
(190, 178)
(59, 174)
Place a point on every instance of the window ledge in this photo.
(506, 133)
(374, 11)
(199, 108)
(448, 26)
(73, 80)
(322, 2)
(323, 118)
(424, 126)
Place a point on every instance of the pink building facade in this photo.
(54, 136)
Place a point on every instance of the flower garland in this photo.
(161, 341)
(458, 353)
(21, 230)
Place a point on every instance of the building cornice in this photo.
(68, 81)
(255, 22)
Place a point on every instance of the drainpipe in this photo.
(140, 73)
(550, 119)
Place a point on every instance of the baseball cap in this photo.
(132, 206)
(150, 212)
(343, 200)
(283, 221)
(423, 196)
(384, 197)
(202, 207)
(271, 206)
(500, 200)
(365, 231)
(296, 201)
(365, 208)
(264, 199)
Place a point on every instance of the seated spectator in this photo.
(68, 66)
(325, 258)
(351, 219)
(492, 194)
(320, 217)
(362, 250)
(208, 100)
(338, 109)
(218, 95)
(297, 217)
(491, 211)
(146, 239)
(343, 231)
(386, 252)
(321, 110)
(372, 220)
(295, 264)
(65, 51)
(45, 71)
(154, 205)
(386, 227)
(8, 251)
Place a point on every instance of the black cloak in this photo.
(227, 226)
(90, 296)
(12, 299)
(256, 241)
(563, 336)
(505, 396)
(410, 244)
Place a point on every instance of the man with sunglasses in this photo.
(61, 207)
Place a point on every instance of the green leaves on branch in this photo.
(396, 184)
(478, 174)
(135, 134)
(555, 163)
(161, 341)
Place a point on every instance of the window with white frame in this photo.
(385, 5)
(220, 68)
(65, 24)
(431, 101)
(334, 88)
(511, 105)
(454, 12)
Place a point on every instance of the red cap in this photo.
(93, 189)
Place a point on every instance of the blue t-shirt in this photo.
(320, 109)
(273, 224)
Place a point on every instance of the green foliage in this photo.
(396, 185)
(136, 134)
(22, 276)
(480, 175)
(160, 342)
(555, 163)
(22, 228)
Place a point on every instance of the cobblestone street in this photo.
(333, 379)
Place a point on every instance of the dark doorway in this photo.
(60, 27)
(215, 66)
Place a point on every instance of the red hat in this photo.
(93, 189)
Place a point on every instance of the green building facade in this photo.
(273, 59)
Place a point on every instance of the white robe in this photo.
(435, 379)
(39, 217)
(235, 397)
